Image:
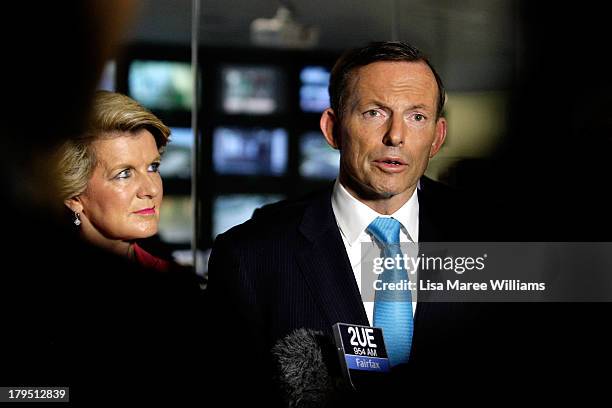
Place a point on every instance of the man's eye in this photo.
(419, 117)
(154, 167)
(372, 114)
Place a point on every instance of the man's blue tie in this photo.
(393, 308)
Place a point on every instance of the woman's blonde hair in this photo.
(111, 113)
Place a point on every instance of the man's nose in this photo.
(395, 132)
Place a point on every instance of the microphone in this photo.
(308, 370)
(314, 371)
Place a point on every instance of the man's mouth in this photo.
(390, 164)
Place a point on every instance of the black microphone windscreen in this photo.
(307, 368)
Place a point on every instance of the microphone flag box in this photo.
(362, 352)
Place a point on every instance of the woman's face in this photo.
(123, 197)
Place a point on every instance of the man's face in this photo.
(389, 130)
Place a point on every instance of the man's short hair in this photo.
(351, 60)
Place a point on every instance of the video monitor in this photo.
(318, 160)
(176, 160)
(176, 219)
(161, 85)
(314, 95)
(252, 89)
(108, 79)
(233, 209)
(250, 151)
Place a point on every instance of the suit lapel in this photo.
(432, 228)
(324, 262)
(427, 231)
(426, 234)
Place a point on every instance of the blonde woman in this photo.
(109, 177)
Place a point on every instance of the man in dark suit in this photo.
(296, 264)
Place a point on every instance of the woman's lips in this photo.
(146, 211)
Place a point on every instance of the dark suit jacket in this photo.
(287, 268)
(290, 268)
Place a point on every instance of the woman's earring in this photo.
(77, 219)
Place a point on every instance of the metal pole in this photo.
(195, 26)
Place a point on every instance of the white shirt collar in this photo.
(353, 216)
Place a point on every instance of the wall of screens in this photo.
(259, 124)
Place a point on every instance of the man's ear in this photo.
(439, 137)
(330, 127)
(74, 204)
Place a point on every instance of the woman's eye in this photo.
(154, 167)
(124, 174)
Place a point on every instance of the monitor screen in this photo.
(233, 209)
(314, 96)
(107, 80)
(318, 160)
(176, 160)
(252, 89)
(176, 219)
(161, 85)
(250, 151)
